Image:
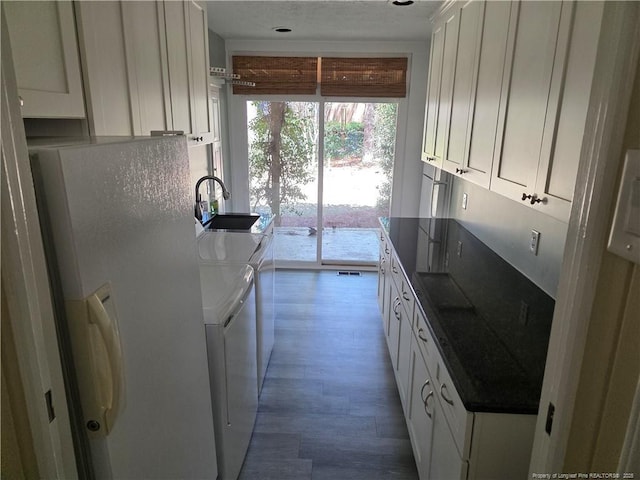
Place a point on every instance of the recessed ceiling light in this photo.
(281, 29)
(402, 4)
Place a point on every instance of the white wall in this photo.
(408, 168)
(505, 226)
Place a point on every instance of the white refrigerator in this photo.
(118, 224)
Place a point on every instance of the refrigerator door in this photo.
(120, 213)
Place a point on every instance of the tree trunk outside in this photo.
(369, 123)
(276, 122)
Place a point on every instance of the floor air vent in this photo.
(344, 273)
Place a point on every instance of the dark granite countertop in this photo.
(491, 323)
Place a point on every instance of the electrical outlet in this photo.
(534, 242)
(465, 198)
(459, 249)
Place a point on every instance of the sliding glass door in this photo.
(359, 141)
(327, 195)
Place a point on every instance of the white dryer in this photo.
(229, 305)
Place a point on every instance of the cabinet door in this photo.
(199, 70)
(445, 458)
(45, 55)
(451, 27)
(469, 37)
(486, 101)
(433, 94)
(146, 49)
(104, 62)
(404, 357)
(526, 91)
(420, 411)
(177, 27)
(558, 168)
(382, 271)
(395, 319)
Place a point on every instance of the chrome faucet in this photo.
(225, 193)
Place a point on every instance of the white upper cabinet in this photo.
(199, 70)
(477, 87)
(508, 92)
(146, 54)
(444, 41)
(469, 41)
(146, 67)
(561, 147)
(188, 51)
(104, 64)
(532, 84)
(45, 56)
(433, 94)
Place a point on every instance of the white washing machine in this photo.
(229, 304)
(255, 249)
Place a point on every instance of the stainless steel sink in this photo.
(232, 221)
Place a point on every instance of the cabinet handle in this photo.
(406, 296)
(426, 404)
(461, 171)
(533, 199)
(420, 335)
(382, 262)
(395, 270)
(386, 250)
(396, 306)
(443, 387)
(424, 385)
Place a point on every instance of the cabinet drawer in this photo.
(460, 421)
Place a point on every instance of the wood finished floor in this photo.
(329, 407)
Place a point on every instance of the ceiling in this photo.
(321, 20)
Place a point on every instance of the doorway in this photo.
(327, 195)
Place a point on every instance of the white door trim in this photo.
(26, 285)
(588, 227)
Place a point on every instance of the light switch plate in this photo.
(465, 198)
(534, 241)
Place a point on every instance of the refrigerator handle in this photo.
(97, 353)
(108, 328)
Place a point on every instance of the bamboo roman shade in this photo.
(364, 77)
(274, 75)
(338, 77)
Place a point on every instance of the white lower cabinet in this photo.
(420, 410)
(399, 327)
(448, 441)
(446, 462)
